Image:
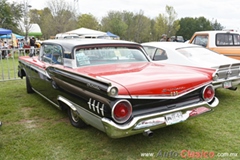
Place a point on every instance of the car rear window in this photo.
(108, 55)
(227, 39)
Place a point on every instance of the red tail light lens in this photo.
(122, 111)
(208, 93)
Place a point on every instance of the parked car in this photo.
(223, 42)
(177, 39)
(228, 69)
(113, 86)
(93, 36)
(66, 36)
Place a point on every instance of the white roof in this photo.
(86, 31)
(198, 55)
(215, 32)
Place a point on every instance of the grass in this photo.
(33, 129)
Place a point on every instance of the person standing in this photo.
(20, 45)
(32, 46)
(164, 38)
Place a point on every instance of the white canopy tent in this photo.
(33, 29)
(85, 31)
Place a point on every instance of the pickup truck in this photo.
(223, 42)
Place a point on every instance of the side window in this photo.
(236, 39)
(220, 39)
(160, 55)
(150, 51)
(52, 54)
(226, 39)
(201, 40)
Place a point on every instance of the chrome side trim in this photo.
(46, 98)
(87, 116)
(167, 96)
(38, 69)
(96, 106)
(67, 102)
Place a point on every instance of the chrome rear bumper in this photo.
(154, 121)
(221, 84)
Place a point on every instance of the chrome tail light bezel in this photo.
(127, 105)
(210, 86)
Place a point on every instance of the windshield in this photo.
(108, 55)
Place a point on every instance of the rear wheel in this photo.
(28, 85)
(75, 119)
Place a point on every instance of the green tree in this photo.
(203, 24)
(216, 26)
(46, 20)
(190, 25)
(114, 23)
(127, 25)
(160, 26)
(153, 35)
(35, 16)
(63, 16)
(142, 27)
(10, 15)
(128, 19)
(166, 23)
(187, 27)
(88, 21)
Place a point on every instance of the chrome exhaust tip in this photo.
(148, 133)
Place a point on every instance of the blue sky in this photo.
(226, 12)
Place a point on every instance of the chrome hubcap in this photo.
(74, 115)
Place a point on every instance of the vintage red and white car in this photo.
(114, 86)
(227, 69)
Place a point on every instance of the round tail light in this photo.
(208, 93)
(122, 111)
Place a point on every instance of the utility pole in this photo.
(27, 26)
(75, 3)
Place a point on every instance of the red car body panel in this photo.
(138, 79)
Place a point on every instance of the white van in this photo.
(66, 36)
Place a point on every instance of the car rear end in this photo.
(227, 76)
(133, 116)
(157, 101)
